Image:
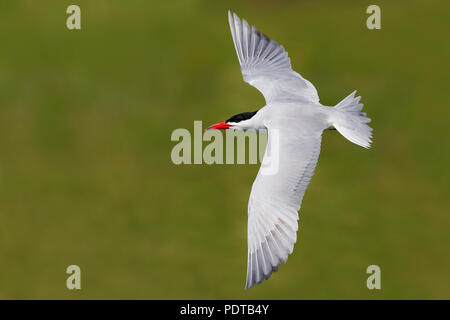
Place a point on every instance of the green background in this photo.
(86, 176)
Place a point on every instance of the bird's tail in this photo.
(348, 119)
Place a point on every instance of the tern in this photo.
(292, 110)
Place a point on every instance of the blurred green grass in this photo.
(85, 171)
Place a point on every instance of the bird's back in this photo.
(302, 118)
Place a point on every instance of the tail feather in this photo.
(351, 122)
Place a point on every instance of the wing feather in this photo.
(274, 203)
(266, 65)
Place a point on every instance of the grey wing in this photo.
(266, 65)
(275, 200)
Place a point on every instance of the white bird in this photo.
(294, 112)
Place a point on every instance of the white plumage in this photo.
(294, 112)
(266, 65)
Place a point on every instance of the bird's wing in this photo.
(266, 65)
(287, 168)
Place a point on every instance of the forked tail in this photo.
(351, 122)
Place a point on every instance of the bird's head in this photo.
(241, 121)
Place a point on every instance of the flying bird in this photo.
(294, 112)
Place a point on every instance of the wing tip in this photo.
(256, 273)
(252, 282)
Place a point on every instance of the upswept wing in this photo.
(266, 65)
